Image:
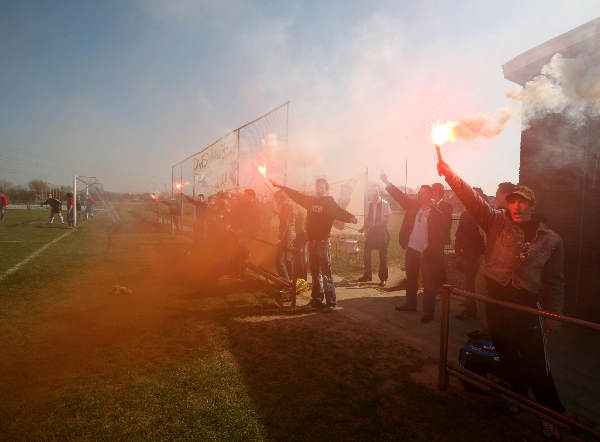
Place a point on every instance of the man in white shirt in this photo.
(378, 236)
(422, 235)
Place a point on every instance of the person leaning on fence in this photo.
(523, 265)
(3, 204)
(287, 235)
(469, 246)
(377, 236)
(422, 234)
(321, 211)
(55, 208)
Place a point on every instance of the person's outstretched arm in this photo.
(396, 193)
(343, 215)
(477, 206)
(304, 200)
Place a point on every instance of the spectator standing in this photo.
(321, 211)
(300, 245)
(524, 265)
(469, 247)
(200, 221)
(422, 234)
(377, 236)
(287, 235)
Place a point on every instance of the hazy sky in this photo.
(122, 90)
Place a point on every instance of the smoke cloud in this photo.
(483, 125)
(569, 86)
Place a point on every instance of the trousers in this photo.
(520, 341)
(319, 257)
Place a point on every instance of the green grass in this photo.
(183, 358)
(23, 232)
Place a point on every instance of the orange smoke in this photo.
(471, 127)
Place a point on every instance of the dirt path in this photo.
(574, 368)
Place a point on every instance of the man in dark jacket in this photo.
(377, 237)
(422, 234)
(321, 210)
(469, 247)
(523, 265)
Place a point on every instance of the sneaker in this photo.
(426, 318)
(549, 431)
(364, 278)
(406, 308)
(383, 282)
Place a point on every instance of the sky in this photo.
(121, 90)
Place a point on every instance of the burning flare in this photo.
(154, 197)
(263, 171)
(440, 133)
(179, 187)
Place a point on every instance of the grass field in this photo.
(183, 358)
(23, 232)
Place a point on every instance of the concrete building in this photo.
(561, 162)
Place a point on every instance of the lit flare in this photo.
(442, 132)
(263, 170)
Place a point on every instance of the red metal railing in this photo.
(448, 369)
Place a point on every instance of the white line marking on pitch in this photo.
(33, 255)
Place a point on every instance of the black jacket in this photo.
(436, 225)
(321, 211)
(470, 242)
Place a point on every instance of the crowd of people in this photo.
(520, 257)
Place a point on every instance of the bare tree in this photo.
(39, 187)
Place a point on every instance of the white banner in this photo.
(215, 168)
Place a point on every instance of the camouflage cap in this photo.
(524, 192)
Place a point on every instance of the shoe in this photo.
(406, 308)
(549, 431)
(464, 316)
(426, 318)
(364, 278)
(383, 282)
(328, 309)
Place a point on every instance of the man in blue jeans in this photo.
(321, 211)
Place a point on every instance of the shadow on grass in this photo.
(327, 377)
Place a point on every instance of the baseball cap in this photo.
(524, 192)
